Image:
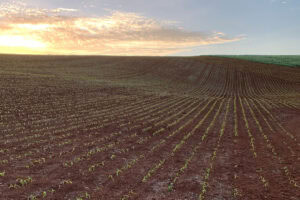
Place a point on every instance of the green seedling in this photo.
(32, 197)
(52, 190)
(24, 182)
(4, 161)
(13, 186)
(87, 195)
(118, 172)
(2, 173)
(44, 194)
(111, 177)
(170, 187)
(92, 168)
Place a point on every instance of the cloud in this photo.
(60, 10)
(279, 1)
(119, 33)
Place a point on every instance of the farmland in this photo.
(148, 128)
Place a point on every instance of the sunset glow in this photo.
(35, 27)
(20, 41)
(55, 31)
(115, 28)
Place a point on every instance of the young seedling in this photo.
(118, 172)
(32, 197)
(44, 194)
(92, 168)
(2, 173)
(125, 197)
(170, 187)
(51, 190)
(14, 186)
(111, 177)
(87, 195)
(67, 182)
(24, 182)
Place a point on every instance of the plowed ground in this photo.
(148, 128)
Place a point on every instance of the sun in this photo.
(20, 45)
(20, 41)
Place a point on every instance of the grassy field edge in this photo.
(285, 60)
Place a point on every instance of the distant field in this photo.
(292, 61)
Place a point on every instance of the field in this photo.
(148, 128)
(292, 61)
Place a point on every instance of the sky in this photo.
(150, 28)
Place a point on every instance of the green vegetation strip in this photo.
(286, 60)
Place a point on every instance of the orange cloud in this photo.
(45, 31)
